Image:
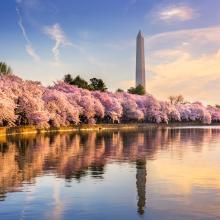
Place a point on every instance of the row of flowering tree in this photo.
(24, 102)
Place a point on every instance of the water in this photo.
(146, 174)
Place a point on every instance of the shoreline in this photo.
(97, 127)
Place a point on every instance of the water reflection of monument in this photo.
(141, 184)
(72, 156)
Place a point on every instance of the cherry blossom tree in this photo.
(112, 106)
(215, 113)
(7, 107)
(61, 111)
(29, 102)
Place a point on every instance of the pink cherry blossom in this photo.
(29, 102)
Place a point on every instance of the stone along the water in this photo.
(140, 60)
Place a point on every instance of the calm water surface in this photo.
(151, 174)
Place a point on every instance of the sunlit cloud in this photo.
(188, 64)
(174, 13)
(195, 78)
(199, 35)
(56, 33)
(29, 49)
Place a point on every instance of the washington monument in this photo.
(140, 60)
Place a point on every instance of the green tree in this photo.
(80, 82)
(139, 90)
(77, 81)
(68, 79)
(5, 69)
(97, 84)
(119, 90)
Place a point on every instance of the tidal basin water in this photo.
(146, 174)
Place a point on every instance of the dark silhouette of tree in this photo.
(119, 90)
(77, 81)
(5, 69)
(68, 79)
(179, 99)
(139, 90)
(97, 84)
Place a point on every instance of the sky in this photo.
(45, 39)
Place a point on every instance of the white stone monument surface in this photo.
(140, 60)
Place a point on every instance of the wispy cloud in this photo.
(188, 64)
(176, 13)
(29, 49)
(197, 40)
(56, 33)
(188, 75)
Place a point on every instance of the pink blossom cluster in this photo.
(27, 102)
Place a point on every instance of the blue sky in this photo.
(45, 39)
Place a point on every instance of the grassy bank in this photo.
(97, 127)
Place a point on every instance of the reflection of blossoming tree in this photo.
(73, 155)
(27, 102)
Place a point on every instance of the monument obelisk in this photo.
(140, 60)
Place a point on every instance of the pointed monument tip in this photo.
(140, 33)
